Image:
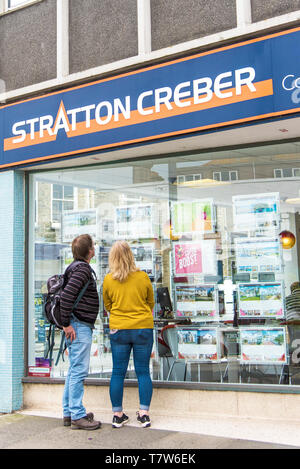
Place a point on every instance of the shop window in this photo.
(9, 6)
(181, 179)
(227, 254)
(16, 3)
(36, 205)
(286, 172)
(225, 175)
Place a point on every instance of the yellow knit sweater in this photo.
(130, 303)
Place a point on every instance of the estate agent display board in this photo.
(194, 269)
(257, 345)
(257, 250)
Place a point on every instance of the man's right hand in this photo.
(70, 333)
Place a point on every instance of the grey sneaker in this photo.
(143, 420)
(85, 423)
(67, 420)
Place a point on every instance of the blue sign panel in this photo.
(239, 83)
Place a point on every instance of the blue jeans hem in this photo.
(78, 418)
(117, 409)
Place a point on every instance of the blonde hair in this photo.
(121, 261)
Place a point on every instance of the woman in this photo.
(128, 297)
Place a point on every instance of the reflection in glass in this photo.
(206, 226)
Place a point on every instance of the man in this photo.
(292, 302)
(78, 328)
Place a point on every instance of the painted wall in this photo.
(11, 290)
(101, 32)
(28, 45)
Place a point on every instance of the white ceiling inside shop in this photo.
(120, 177)
(247, 135)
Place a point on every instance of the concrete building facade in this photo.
(50, 47)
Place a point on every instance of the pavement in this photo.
(22, 431)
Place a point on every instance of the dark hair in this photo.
(294, 286)
(81, 246)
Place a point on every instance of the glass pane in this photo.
(15, 3)
(56, 211)
(287, 172)
(68, 192)
(215, 246)
(57, 191)
(225, 176)
(296, 172)
(68, 205)
(277, 173)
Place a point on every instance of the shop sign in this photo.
(39, 372)
(41, 369)
(252, 80)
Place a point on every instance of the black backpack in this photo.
(51, 309)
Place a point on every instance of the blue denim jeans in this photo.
(79, 358)
(122, 342)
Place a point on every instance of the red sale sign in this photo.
(188, 258)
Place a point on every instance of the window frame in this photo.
(230, 171)
(281, 173)
(6, 7)
(214, 386)
(184, 176)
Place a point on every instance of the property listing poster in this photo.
(75, 223)
(195, 258)
(255, 255)
(196, 301)
(39, 317)
(106, 229)
(261, 300)
(144, 257)
(257, 213)
(193, 217)
(198, 344)
(135, 221)
(263, 345)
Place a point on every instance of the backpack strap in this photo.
(62, 348)
(75, 264)
(63, 343)
(50, 343)
(83, 290)
(46, 353)
(51, 332)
